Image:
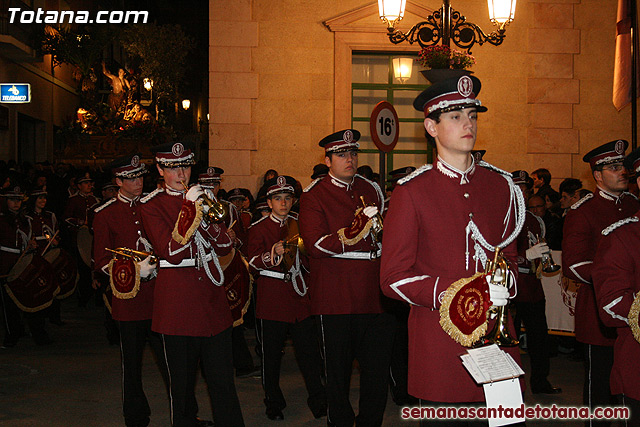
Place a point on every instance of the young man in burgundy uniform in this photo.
(78, 215)
(338, 231)
(15, 239)
(583, 225)
(190, 308)
(442, 226)
(117, 224)
(616, 281)
(283, 303)
(242, 360)
(530, 301)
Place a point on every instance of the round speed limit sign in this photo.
(384, 126)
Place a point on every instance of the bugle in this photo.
(498, 272)
(547, 262)
(376, 223)
(218, 211)
(137, 256)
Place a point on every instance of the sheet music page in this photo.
(493, 363)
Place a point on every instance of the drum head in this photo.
(19, 267)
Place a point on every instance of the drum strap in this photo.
(10, 250)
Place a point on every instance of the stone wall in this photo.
(279, 82)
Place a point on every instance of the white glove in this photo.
(194, 192)
(536, 251)
(146, 268)
(370, 211)
(499, 294)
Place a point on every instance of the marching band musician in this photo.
(283, 304)
(15, 240)
(444, 222)
(190, 308)
(583, 225)
(242, 359)
(117, 224)
(345, 293)
(616, 281)
(44, 229)
(530, 300)
(77, 216)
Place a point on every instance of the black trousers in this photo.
(12, 321)
(368, 339)
(634, 408)
(596, 391)
(534, 319)
(134, 337)
(184, 354)
(307, 351)
(242, 359)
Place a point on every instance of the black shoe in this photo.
(319, 410)
(275, 414)
(204, 423)
(548, 389)
(255, 372)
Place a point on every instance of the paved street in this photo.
(76, 382)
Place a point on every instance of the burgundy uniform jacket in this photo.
(583, 225)
(344, 279)
(529, 286)
(186, 301)
(41, 222)
(616, 278)
(276, 298)
(14, 236)
(117, 224)
(79, 207)
(426, 248)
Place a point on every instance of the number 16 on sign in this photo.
(384, 126)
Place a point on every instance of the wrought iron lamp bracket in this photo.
(464, 34)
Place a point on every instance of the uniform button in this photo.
(471, 215)
(200, 278)
(466, 195)
(134, 213)
(137, 222)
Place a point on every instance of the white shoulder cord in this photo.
(476, 235)
(202, 259)
(297, 272)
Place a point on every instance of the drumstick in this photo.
(50, 242)
(232, 224)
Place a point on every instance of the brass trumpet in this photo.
(498, 271)
(218, 211)
(376, 224)
(548, 264)
(137, 256)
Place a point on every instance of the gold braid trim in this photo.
(350, 242)
(445, 320)
(634, 313)
(240, 321)
(136, 286)
(183, 240)
(24, 307)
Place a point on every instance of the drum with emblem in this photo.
(30, 283)
(238, 284)
(64, 269)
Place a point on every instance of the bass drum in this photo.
(30, 283)
(85, 243)
(65, 271)
(238, 284)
